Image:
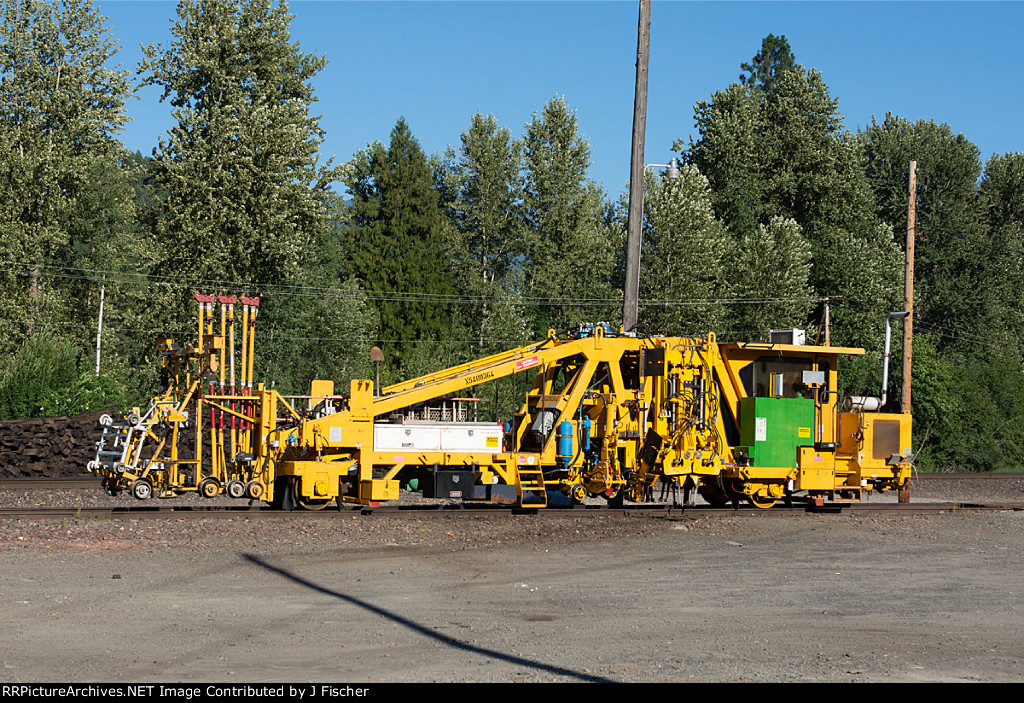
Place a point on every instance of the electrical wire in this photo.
(110, 278)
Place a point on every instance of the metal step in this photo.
(530, 488)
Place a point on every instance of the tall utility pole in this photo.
(908, 303)
(908, 289)
(631, 293)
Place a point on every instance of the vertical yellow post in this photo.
(231, 356)
(252, 338)
(200, 364)
(214, 464)
(244, 434)
(199, 341)
(220, 415)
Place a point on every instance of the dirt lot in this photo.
(514, 599)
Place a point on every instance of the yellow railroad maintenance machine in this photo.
(605, 414)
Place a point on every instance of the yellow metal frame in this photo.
(654, 409)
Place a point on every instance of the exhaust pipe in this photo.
(868, 403)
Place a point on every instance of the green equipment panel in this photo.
(771, 429)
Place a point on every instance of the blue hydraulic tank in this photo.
(564, 448)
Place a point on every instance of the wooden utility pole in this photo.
(908, 288)
(908, 303)
(631, 292)
(828, 323)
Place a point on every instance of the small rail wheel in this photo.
(209, 488)
(254, 490)
(235, 489)
(133, 419)
(761, 501)
(578, 492)
(142, 489)
(304, 502)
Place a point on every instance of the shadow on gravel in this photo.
(450, 641)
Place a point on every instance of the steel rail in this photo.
(648, 511)
(30, 484)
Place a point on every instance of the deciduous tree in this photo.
(64, 197)
(569, 239)
(246, 194)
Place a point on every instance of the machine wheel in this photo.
(133, 419)
(254, 490)
(635, 492)
(209, 488)
(577, 492)
(760, 501)
(111, 488)
(235, 489)
(142, 489)
(711, 491)
(306, 503)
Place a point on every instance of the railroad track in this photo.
(656, 511)
(43, 484)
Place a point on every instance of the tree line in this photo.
(441, 258)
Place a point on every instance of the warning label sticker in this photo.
(527, 363)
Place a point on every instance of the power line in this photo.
(287, 290)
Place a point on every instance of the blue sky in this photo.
(437, 63)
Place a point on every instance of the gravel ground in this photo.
(439, 598)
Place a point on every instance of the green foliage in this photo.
(64, 199)
(1002, 189)
(968, 410)
(246, 196)
(395, 242)
(569, 242)
(775, 147)
(768, 65)
(952, 244)
(727, 154)
(88, 393)
(1002, 197)
(43, 365)
(481, 190)
(686, 255)
(772, 267)
(325, 334)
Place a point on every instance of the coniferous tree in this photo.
(396, 247)
(783, 153)
(769, 64)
